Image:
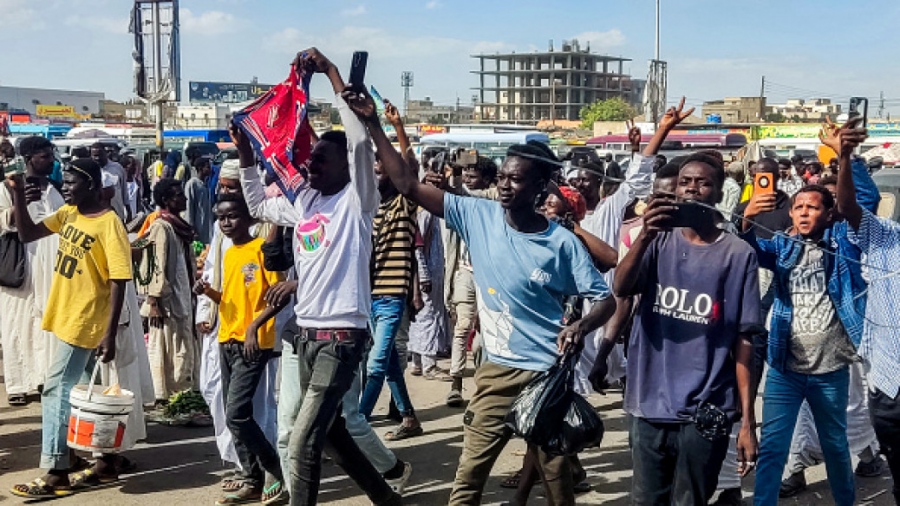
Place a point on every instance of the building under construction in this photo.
(555, 85)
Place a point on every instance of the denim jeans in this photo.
(827, 396)
(885, 413)
(326, 370)
(384, 361)
(673, 463)
(70, 365)
(240, 379)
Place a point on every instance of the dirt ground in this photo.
(180, 466)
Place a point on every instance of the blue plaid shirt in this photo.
(879, 239)
(846, 285)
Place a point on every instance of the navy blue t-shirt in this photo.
(695, 300)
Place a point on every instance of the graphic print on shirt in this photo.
(249, 271)
(496, 326)
(685, 305)
(311, 235)
(813, 310)
(74, 245)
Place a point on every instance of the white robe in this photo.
(27, 349)
(131, 367)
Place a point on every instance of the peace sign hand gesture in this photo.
(674, 116)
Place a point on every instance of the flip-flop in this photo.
(89, 479)
(244, 495)
(17, 399)
(274, 493)
(38, 489)
(513, 480)
(403, 432)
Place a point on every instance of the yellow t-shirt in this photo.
(92, 251)
(244, 283)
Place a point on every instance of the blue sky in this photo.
(715, 48)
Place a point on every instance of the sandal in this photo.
(17, 399)
(415, 371)
(232, 483)
(403, 432)
(438, 374)
(274, 492)
(89, 478)
(39, 489)
(513, 480)
(245, 495)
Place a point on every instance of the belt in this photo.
(339, 335)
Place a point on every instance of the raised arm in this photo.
(670, 120)
(427, 196)
(29, 231)
(843, 141)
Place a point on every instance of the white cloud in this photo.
(380, 43)
(117, 26)
(433, 4)
(207, 23)
(16, 13)
(602, 42)
(359, 10)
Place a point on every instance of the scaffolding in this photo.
(554, 85)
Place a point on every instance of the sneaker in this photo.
(729, 497)
(792, 485)
(872, 468)
(398, 485)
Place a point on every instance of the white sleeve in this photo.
(275, 210)
(637, 183)
(6, 211)
(361, 157)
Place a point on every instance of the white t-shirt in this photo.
(332, 236)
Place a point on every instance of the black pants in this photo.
(239, 381)
(885, 413)
(326, 371)
(674, 464)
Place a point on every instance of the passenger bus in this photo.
(491, 145)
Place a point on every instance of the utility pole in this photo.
(160, 105)
(881, 106)
(762, 99)
(406, 81)
(552, 101)
(457, 109)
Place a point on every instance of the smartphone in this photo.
(379, 102)
(688, 214)
(437, 163)
(859, 106)
(33, 180)
(358, 68)
(762, 184)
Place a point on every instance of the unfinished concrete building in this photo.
(555, 85)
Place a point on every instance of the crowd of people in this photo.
(673, 279)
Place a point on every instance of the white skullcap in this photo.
(230, 169)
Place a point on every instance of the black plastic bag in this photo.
(537, 413)
(581, 428)
(12, 260)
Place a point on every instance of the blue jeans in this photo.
(384, 361)
(70, 364)
(827, 395)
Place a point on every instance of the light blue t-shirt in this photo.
(521, 281)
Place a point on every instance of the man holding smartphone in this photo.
(690, 353)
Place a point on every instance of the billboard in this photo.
(56, 111)
(203, 92)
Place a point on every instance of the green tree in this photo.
(613, 109)
(335, 116)
(776, 117)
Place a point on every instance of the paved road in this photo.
(180, 466)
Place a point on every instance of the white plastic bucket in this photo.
(97, 421)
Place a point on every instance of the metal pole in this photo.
(657, 31)
(157, 75)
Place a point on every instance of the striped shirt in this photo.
(393, 252)
(879, 240)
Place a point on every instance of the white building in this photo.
(28, 99)
(812, 109)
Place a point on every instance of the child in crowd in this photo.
(247, 340)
